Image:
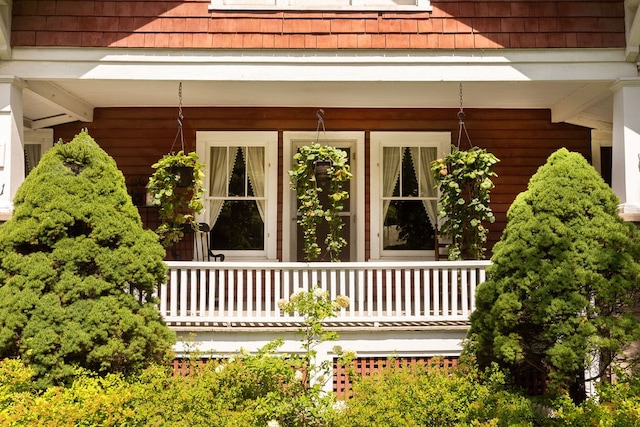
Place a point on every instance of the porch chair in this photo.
(202, 246)
(440, 247)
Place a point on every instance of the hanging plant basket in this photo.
(183, 174)
(315, 163)
(179, 202)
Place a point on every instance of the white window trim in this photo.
(330, 5)
(268, 140)
(440, 140)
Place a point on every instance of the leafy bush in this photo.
(77, 271)
(563, 279)
(429, 395)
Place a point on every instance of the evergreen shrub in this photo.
(77, 271)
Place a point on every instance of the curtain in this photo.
(255, 170)
(220, 175)
(32, 156)
(422, 158)
(391, 166)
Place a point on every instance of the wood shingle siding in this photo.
(467, 24)
(521, 139)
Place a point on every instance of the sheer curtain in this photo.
(255, 170)
(32, 156)
(220, 175)
(391, 164)
(422, 158)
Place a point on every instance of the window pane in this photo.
(238, 176)
(407, 226)
(239, 227)
(409, 175)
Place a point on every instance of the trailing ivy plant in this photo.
(312, 213)
(178, 205)
(464, 180)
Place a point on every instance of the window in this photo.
(239, 195)
(36, 142)
(404, 194)
(337, 5)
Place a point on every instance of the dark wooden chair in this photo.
(202, 244)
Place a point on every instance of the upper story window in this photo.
(328, 5)
(240, 199)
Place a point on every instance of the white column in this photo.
(11, 142)
(626, 144)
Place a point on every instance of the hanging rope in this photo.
(319, 114)
(180, 118)
(461, 125)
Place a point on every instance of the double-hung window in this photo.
(240, 192)
(404, 198)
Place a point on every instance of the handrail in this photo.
(247, 293)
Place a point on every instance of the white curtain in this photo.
(220, 173)
(391, 166)
(255, 170)
(32, 156)
(422, 158)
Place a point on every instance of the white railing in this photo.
(247, 294)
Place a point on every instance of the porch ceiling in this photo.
(574, 86)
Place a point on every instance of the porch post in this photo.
(626, 146)
(11, 142)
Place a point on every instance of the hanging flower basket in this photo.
(183, 174)
(178, 195)
(313, 164)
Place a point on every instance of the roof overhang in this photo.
(65, 84)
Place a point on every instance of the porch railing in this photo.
(232, 294)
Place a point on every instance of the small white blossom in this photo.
(319, 293)
(273, 423)
(282, 304)
(343, 301)
(298, 376)
(219, 368)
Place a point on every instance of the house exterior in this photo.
(385, 80)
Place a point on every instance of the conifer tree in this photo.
(77, 271)
(563, 281)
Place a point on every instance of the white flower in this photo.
(282, 304)
(343, 301)
(273, 423)
(320, 293)
(298, 376)
(219, 368)
(350, 354)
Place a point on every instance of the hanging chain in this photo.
(180, 118)
(461, 125)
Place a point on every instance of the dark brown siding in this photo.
(521, 139)
(453, 24)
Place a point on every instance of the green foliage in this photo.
(77, 271)
(303, 181)
(430, 395)
(178, 206)
(314, 306)
(464, 180)
(564, 277)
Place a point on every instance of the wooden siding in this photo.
(521, 139)
(461, 24)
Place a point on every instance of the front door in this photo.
(349, 142)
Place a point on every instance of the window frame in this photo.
(441, 141)
(205, 140)
(332, 5)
